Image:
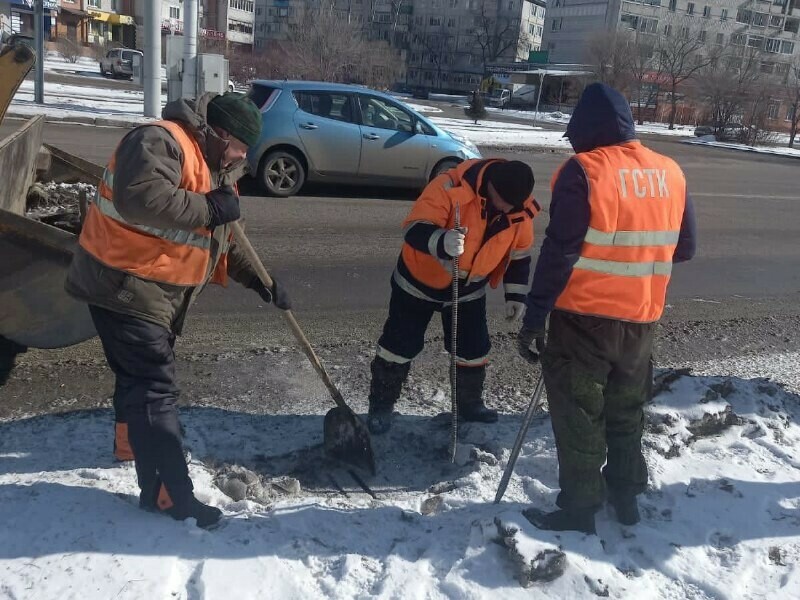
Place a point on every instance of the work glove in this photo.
(454, 241)
(275, 295)
(514, 311)
(527, 337)
(223, 206)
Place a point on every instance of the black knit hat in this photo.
(512, 179)
(236, 114)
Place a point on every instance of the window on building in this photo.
(283, 12)
(792, 25)
(787, 47)
(245, 5)
(511, 5)
(773, 45)
(720, 39)
(673, 4)
(435, 21)
(782, 68)
(744, 16)
(690, 8)
(703, 35)
(706, 12)
(738, 39)
(174, 12)
(773, 110)
(555, 25)
(451, 22)
(755, 41)
(240, 27)
(668, 30)
(629, 21)
(767, 67)
(96, 4)
(724, 15)
(453, 3)
(684, 33)
(760, 19)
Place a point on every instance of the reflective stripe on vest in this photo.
(169, 256)
(636, 201)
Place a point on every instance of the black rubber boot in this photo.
(384, 390)
(581, 520)
(206, 516)
(469, 394)
(626, 507)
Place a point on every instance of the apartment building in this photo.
(446, 44)
(768, 24)
(235, 19)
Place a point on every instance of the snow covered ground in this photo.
(64, 102)
(721, 518)
(774, 150)
(500, 133)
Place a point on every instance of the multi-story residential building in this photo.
(446, 44)
(234, 18)
(770, 26)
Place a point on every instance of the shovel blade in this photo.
(347, 439)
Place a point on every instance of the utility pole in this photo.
(190, 8)
(38, 29)
(152, 58)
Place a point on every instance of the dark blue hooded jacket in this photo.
(601, 118)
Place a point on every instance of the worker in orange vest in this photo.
(620, 217)
(155, 234)
(494, 245)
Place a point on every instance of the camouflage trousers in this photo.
(598, 375)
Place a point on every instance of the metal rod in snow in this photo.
(152, 58)
(190, 48)
(38, 29)
(539, 96)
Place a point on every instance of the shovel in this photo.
(346, 437)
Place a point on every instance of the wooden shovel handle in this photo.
(244, 243)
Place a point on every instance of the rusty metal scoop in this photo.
(346, 437)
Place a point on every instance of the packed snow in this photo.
(501, 133)
(773, 150)
(721, 517)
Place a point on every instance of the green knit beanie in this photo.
(236, 114)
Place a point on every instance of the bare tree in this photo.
(326, 45)
(433, 43)
(608, 52)
(792, 94)
(728, 83)
(496, 34)
(682, 55)
(645, 70)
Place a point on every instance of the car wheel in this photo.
(445, 165)
(282, 174)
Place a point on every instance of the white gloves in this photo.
(515, 311)
(454, 241)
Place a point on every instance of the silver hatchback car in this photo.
(345, 134)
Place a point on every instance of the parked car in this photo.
(118, 63)
(345, 134)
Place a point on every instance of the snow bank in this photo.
(501, 134)
(721, 517)
(773, 150)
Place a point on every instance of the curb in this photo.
(749, 149)
(79, 120)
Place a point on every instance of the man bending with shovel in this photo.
(158, 231)
(493, 245)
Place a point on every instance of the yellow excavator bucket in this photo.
(16, 60)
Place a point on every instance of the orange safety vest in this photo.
(636, 199)
(172, 256)
(479, 261)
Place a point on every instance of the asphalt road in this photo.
(335, 248)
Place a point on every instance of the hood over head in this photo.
(602, 117)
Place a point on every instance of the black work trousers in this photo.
(140, 354)
(598, 375)
(404, 331)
